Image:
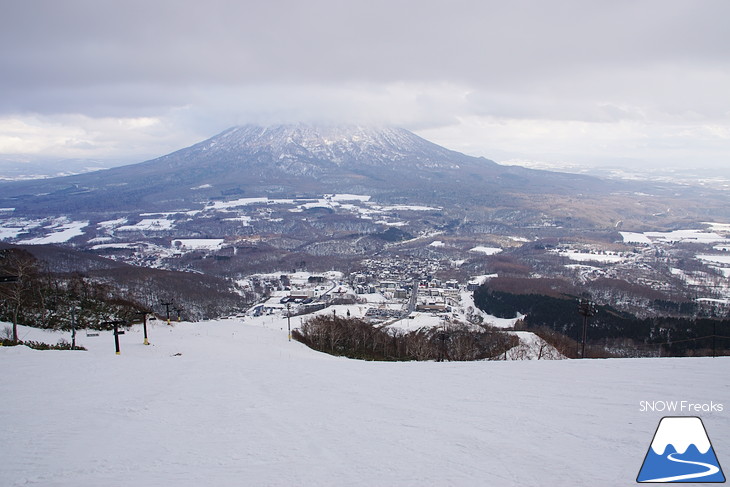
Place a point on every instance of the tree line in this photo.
(34, 296)
(37, 294)
(612, 331)
(356, 338)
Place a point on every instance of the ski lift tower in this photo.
(167, 305)
(143, 315)
(117, 332)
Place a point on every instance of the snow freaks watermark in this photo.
(680, 451)
(681, 407)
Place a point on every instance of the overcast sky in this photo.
(582, 82)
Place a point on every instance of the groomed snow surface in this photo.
(233, 403)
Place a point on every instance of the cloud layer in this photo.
(590, 81)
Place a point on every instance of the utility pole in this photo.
(73, 327)
(288, 320)
(178, 311)
(167, 310)
(587, 309)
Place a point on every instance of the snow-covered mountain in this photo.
(286, 160)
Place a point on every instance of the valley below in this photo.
(240, 214)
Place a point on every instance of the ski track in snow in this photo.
(241, 405)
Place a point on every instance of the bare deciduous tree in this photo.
(24, 268)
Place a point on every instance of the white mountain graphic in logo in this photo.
(681, 452)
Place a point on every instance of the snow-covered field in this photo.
(154, 224)
(719, 259)
(697, 236)
(58, 230)
(589, 257)
(61, 231)
(486, 250)
(233, 403)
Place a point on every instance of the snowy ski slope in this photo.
(233, 403)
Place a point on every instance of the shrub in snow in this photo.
(359, 339)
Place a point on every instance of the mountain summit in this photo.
(305, 150)
(339, 145)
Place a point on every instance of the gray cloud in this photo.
(202, 65)
(487, 43)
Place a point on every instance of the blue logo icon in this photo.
(681, 452)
